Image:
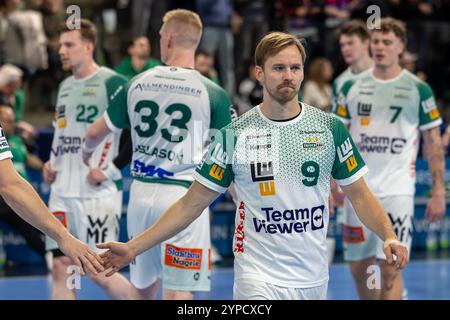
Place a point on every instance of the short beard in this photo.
(283, 99)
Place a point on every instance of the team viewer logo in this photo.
(262, 172)
(345, 154)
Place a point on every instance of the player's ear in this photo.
(259, 73)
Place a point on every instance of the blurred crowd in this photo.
(129, 42)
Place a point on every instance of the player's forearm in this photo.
(369, 209)
(95, 134)
(436, 160)
(34, 162)
(24, 200)
(174, 220)
(372, 214)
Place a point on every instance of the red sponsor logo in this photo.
(239, 234)
(352, 234)
(183, 258)
(104, 153)
(61, 216)
(209, 259)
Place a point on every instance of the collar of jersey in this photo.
(87, 77)
(281, 123)
(389, 80)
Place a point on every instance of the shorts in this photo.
(92, 220)
(251, 289)
(183, 261)
(361, 243)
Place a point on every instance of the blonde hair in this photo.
(398, 27)
(185, 25)
(273, 43)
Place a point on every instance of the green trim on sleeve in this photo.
(116, 90)
(341, 108)
(348, 160)
(217, 163)
(428, 110)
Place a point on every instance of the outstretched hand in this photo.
(117, 256)
(81, 255)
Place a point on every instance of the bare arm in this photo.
(369, 209)
(34, 162)
(22, 198)
(436, 163)
(372, 214)
(94, 135)
(175, 219)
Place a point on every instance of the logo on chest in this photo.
(61, 121)
(364, 110)
(262, 173)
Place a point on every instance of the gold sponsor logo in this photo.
(434, 114)
(216, 172)
(351, 163)
(365, 121)
(342, 111)
(267, 188)
(62, 123)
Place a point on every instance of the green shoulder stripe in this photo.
(220, 104)
(347, 86)
(116, 90)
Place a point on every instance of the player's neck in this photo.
(85, 70)
(387, 73)
(275, 111)
(361, 65)
(181, 58)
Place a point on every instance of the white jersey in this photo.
(343, 78)
(282, 173)
(384, 118)
(169, 112)
(80, 102)
(5, 151)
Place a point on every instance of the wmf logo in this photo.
(97, 229)
(364, 110)
(262, 172)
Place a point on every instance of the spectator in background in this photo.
(217, 38)
(139, 58)
(43, 84)
(255, 15)
(25, 41)
(21, 159)
(408, 61)
(10, 89)
(204, 63)
(12, 94)
(317, 89)
(250, 91)
(305, 19)
(146, 19)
